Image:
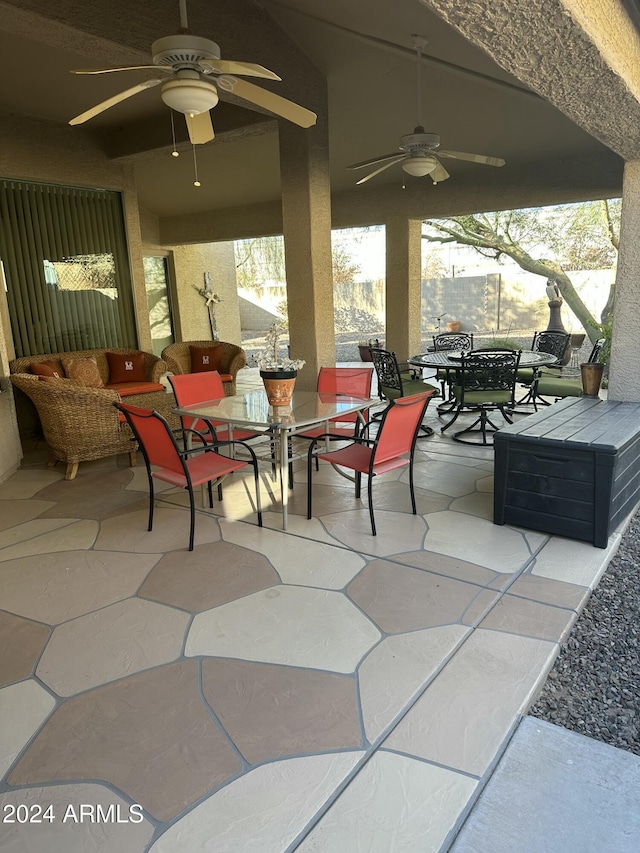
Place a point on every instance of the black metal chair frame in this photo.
(450, 342)
(386, 366)
(484, 370)
(550, 341)
(593, 358)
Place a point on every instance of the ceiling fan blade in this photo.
(167, 69)
(375, 160)
(439, 173)
(200, 128)
(247, 69)
(268, 101)
(472, 158)
(115, 99)
(397, 159)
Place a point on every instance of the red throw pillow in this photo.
(205, 358)
(125, 367)
(47, 368)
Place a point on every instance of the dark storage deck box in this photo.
(572, 469)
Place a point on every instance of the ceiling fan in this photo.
(191, 73)
(418, 148)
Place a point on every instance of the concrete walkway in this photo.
(555, 791)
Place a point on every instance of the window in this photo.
(65, 260)
(156, 280)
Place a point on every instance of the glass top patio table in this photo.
(307, 409)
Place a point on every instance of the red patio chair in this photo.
(393, 447)
(183, 468)
(193, 388)
(343, 382)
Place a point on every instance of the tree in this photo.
(258, 260)
(578, 236)
(343, 267)
(262, 259)
(433, 266)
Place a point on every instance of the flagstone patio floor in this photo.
(318, 689)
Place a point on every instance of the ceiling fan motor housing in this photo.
(183, 50)
(419, 141)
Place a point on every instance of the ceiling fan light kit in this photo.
(419, 147)
(420, 166)
(188, 94)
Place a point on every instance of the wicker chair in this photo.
(178, 359)
(79, 423)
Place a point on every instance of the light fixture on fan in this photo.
(420, 166)
(188, 94)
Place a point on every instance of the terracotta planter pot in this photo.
(365, 353)
(454, 326)
(278, 385)
(591, 375)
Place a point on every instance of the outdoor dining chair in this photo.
(550, 383)
(392, 383)
(345, 382)
(484, 382)
(393, 447)
(449, 342)
(553, 342)
(192, 388)
(183, 468)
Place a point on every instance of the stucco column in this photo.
(624, 376)
(404, 286)
(306, 223)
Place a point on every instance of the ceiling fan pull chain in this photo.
(196, 182)
(175, 152)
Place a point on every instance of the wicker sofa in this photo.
(79, 422)
(232, 359)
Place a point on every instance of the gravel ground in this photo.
(594, 687)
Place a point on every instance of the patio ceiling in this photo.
(364, 50)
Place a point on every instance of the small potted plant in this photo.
(278, 372)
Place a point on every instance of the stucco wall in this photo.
(190, 264)
(624, 382)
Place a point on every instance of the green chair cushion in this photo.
(412, 386)
(554, 386)
(526, 374)
(477, 397)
